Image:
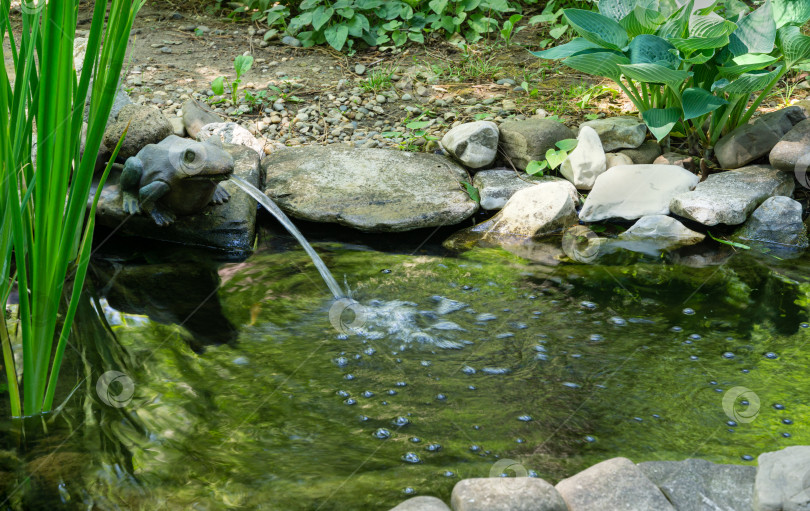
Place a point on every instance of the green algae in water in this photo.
(557, 368)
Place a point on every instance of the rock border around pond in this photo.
(781, 481)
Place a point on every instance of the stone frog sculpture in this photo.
(176, 176)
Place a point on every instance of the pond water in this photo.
(252, 390)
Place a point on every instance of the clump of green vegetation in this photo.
(44, 223)
(379, 79)
(242, 65)
(689, 71)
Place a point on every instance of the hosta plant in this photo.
(696, 68)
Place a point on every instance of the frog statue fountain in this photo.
(176, 176)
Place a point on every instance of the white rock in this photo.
(496, 186)
(506, 494)
(231, 133)
(474, 144)
(534, 212)
(783, 480)
(586, 162)
(633, 191)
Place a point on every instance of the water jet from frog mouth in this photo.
(274, 210)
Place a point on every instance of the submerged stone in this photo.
(659, 232)
(372, 190)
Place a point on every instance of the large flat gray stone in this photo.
(613, 485)
(422, 504)
(496, 186)
(230, 226)
(700, 485)
(374, 190)
(777, 222)
(626, 132)
(729, 197)
(524, 141)
(792, 153)
(748, 142)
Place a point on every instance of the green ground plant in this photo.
(241, 65)
(45, 241)
(689, 67)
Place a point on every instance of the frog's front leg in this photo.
(221, 195)
(130, 180)
(150, 196)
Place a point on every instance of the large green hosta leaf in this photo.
(756, 33)
(576, 45)
(651, 49)
(791, 12)
(697, 102)
(597, 28)
(745, 64)
(794, 45)
(710, 26)
(692, 44)
(616, 9)
(660, 121)
(654, 73)
(642, 21)
(604, 63)
(747, 83)
(678, 23)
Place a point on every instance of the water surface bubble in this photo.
(468, 370)
(689, 312)
(787, 421)
(495, 370)
(747, 457)
(392, 392)
(596, 337)
(616, 320)
(695, 337)
(486, 316)
(382, 434)
(676, 329)
(805, 325)
(386, 271)
(525, 418)
(449, 473)
(441, 397)
(370, 351)
(471, 387)
(590, 439)
(532, 473)
(728, 355)
(411, 457)
(415, 439)
(778, 406)
(771, 355)
(587, 305)
(571, 385)
(475, 448)
(693, 357)
(349, 377)
(401, 384)
(425, 363)
(342, 393)
(433, 447)
(341, 361)
(520, 440)
(505, 335)
(733, 424)
(368, 393)
(401, 421)
(351, 401)
(408, 491)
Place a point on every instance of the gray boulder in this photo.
(506, 494)
(778, 221)
(699, 485)
(373, 190)
(586, 161)
(524, 141)
(422, 504)
(231, 133)
(661, 232)
(474, 144)
(783, 480)
(645, 154)
(147, 125)
(496, 186)
(196, 115)
(792, 153)
(729, 197)
(616, 485)
(625, 132)
(752, 141)
(633, 191)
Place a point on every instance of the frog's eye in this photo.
(189, 156)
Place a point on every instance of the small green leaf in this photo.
(536, 168)
(730, 243)
(555, 158)
(242, 64)
(471, 191)
(321, 16)
(569, 144)
(218, 86)
(336, 35)
(417, 125)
